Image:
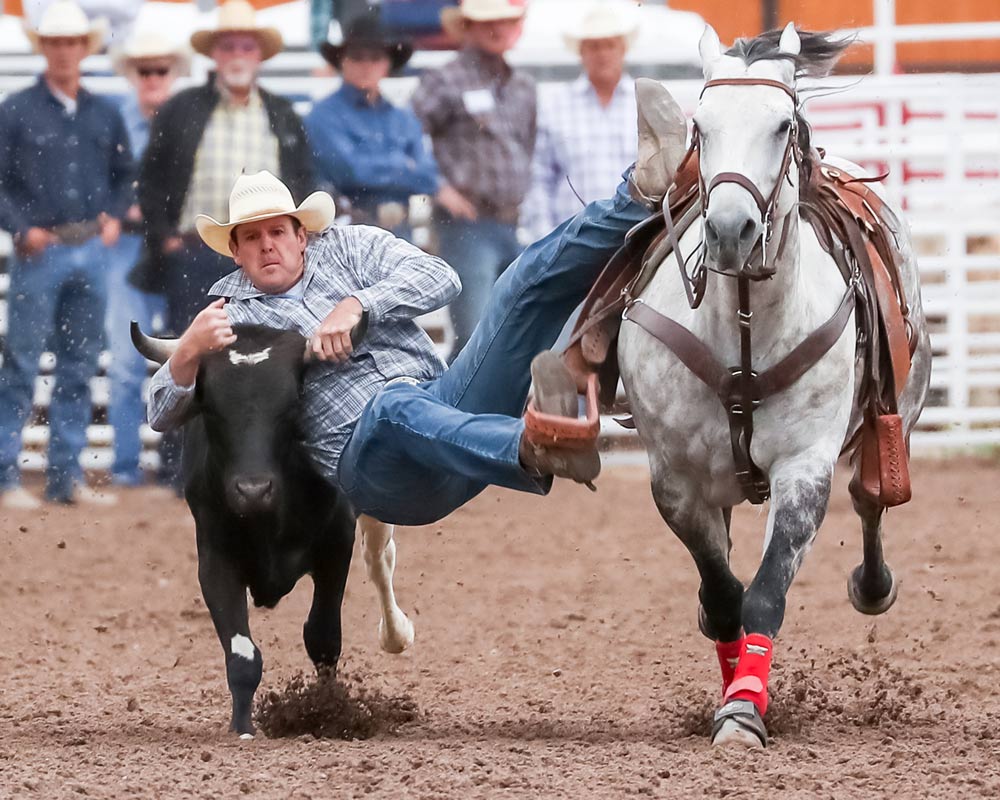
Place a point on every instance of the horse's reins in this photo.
(740, 389)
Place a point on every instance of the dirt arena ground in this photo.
(556, 656)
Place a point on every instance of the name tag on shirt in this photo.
(478, 101)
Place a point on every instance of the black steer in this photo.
(264, 515)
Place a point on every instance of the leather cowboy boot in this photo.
(554, 392)
(662, 143)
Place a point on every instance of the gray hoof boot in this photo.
(738, 723)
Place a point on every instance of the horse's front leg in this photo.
(704, 530)
(395, 631)
(800, 491)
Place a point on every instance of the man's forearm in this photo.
(169, 401)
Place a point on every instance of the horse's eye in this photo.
(784, 127)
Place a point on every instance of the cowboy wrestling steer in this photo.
(264, 515)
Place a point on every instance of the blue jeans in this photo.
(419, 452)
(479, 251)
(127, 410)
(56, 298)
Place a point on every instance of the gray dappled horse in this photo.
(751, 128)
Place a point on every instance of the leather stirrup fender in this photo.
(552, 430)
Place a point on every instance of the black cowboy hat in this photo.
(366, 33)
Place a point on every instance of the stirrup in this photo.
(571, 433)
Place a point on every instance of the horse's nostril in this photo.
(711, 234)
(748, 232)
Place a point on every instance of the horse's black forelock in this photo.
(818, 53)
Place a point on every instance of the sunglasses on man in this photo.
(160, 72)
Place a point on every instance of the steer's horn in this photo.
(158, 350)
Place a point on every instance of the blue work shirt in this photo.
(371, 152)
(137, 125)
(57, 166)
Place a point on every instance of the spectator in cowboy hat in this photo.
(480, 115)
(65, 177)
(586, 129)
(372, 152)
(201, 140)
(151, 63)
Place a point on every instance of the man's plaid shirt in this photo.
(480, 115)
(393, 280)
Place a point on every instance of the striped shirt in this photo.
(480, 115)
(237, 139)
(393, 280)
(584, 141)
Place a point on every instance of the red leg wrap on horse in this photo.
(729, 656)
(750, 680)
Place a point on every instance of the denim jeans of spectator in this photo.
(191, 272)
(56, 299)
(127, 409)
(421, 451)
(478, 251)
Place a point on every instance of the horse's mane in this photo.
(817, 56)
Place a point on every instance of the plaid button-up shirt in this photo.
(584, 141)
(237, 139)
(393, 280)
(480, 115)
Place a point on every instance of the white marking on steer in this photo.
(249, 358)
(395, 631)
(242, 646)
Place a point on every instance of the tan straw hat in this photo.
(150, 43)
(238, 16)
(453, 18)
(262, 196)
(604, 21)
(65, 18)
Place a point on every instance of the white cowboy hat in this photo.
(238, 16)
(262, 196)
(453, 18)
(150, 43)
(66, 18)
(604, 21)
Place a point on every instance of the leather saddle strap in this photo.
(688, 348)
(807, 352)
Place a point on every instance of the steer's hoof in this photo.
(398, 636)
(863, 602)
(738, 724)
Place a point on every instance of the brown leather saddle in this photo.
(857, 229)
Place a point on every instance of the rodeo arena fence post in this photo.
(936, 135)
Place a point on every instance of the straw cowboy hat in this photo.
(453, 18)
(367, 33)
(238, 16)
(262, 196)
(66, 18)
(604, 21)
(151, 44)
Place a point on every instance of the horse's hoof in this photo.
(246, 737)
(866, 605)
(396, 638)
(738, 724)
